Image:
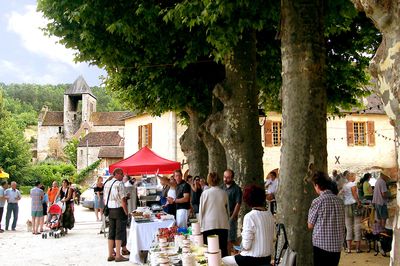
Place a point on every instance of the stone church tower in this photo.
(78, 93)
(98, 132)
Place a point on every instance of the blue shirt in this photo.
(13, 195)
(2, 201)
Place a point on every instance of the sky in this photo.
(28, 56)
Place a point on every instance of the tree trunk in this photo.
(216, 152)
(385, 68)
(304, 118)
(193, 147)
(236, 126)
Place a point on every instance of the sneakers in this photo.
(1, 231)
(111, 258)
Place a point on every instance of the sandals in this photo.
(121, 259)
(125, 252)
(111, 258)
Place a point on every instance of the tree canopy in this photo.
(159, 55)
(15, 153)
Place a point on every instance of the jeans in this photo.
(12, 207)
(1, 214)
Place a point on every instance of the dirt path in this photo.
(363, 259)
(84, 246)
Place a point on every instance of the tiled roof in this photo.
(373, 105)
(107, 118)
(128, 115)
(53, 119)
(98, 139)
(79, 87)
(111, 152)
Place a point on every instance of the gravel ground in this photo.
(84, 246)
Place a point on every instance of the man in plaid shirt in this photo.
(326, 219)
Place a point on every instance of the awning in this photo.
(145, 161)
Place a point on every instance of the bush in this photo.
(48, 172)
(25, 190)
(86, 172)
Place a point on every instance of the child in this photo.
(54, 221)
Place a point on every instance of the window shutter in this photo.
(150, 138)
(140, 137)
(350, 133)
(371, 133)
(268, 133)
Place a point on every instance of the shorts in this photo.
(37, 213)
(381, 211)
(232, 230)
(117, 222)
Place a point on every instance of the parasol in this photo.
(4, 174)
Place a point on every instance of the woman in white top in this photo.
(171, 194)
(214, 214)
(258, 231)
(352, 205)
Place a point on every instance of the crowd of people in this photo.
(335, 215)
(41, 201)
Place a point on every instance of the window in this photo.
(145, 136)
(276, 133)
(272, 133)
(360, 133)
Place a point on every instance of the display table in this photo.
(141, 236)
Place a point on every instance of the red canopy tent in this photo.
(145, 161)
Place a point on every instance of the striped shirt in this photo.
(117, 193)
(327, 215)
(258, 234)
(37, 197)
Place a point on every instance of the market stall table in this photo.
(141, 236)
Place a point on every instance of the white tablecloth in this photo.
(141, 236)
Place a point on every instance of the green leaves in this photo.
(71, 151)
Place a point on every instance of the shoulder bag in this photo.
(106, 210)
(285, 256)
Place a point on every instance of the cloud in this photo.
(27, 74)
(27, 26)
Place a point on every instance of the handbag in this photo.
(286, 256)
(106, 210)
(357, 211)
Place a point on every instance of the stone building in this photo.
(78, 119)
(357, 140)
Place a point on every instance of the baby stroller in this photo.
(53, 222)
